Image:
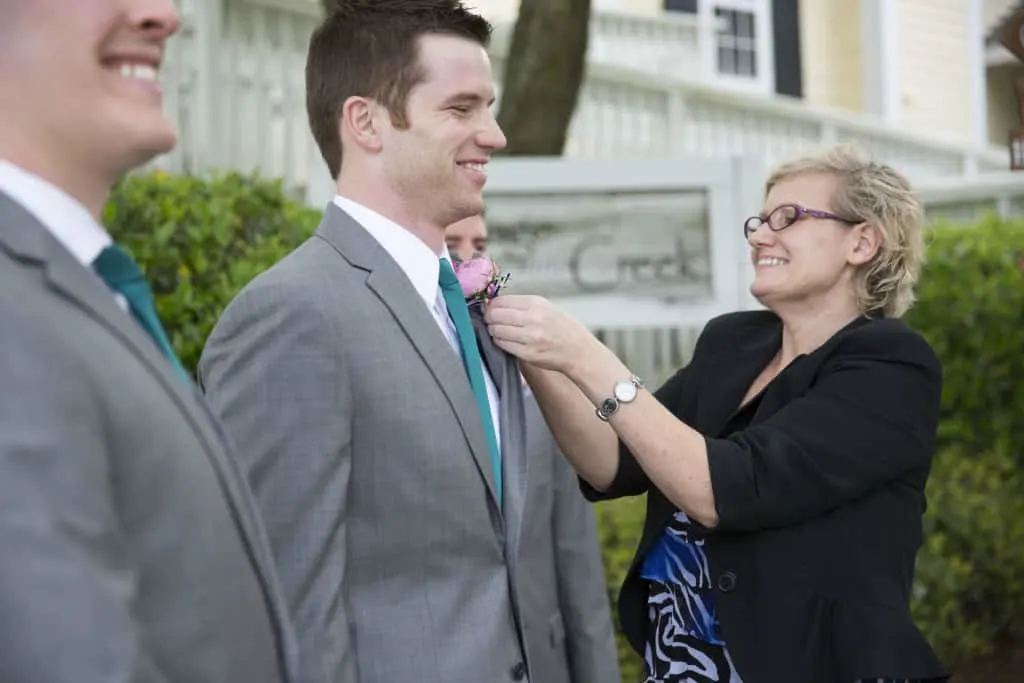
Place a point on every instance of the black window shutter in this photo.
(681, 6)
(786, 35)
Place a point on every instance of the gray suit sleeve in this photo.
(582, 589)
(67, 581)
(274, 372)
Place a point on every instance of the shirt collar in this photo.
(66, 218)
(419, 263)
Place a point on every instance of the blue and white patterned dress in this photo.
(686, 643)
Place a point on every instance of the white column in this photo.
(208, 95)
(765, 46)
(320, 189)
(706, 31)
(880, 52)
(979, 73)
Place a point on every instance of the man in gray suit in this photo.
(381, 430)
(129, 548)
(564, 604)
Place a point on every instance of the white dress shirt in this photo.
(65, 217)
(68, 221)
(422, 267)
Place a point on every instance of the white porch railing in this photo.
(628, 112)
(235, 87)
(234, 81)
(965, 200)
(667, 43)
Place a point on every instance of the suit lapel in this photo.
(387, 281)
(25, 237)
(504, 370)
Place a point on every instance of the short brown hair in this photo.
(370, 48)
(881, 196)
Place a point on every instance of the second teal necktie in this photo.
(459, 313)
(117, 269)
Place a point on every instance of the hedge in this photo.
(971, 308)
(969, 587)
(200, 240)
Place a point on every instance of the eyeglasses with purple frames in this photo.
(785, 215)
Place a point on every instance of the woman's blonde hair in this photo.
(878, 195)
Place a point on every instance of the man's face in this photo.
(78, 83)
(467, 237)
(438, 164)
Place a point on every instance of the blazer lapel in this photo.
(67, 277)
(504, 370)
(387, 281)
(798, 376)
(729, 375)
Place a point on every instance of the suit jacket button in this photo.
(726, 581)
(518, 671)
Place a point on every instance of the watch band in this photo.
(610, 405)
(607, 408)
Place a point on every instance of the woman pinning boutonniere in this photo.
(785, 466)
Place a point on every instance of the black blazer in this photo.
(819, 499)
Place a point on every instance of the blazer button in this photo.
(726, 581)
(518, 671)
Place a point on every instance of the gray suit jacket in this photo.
(129, 546)
(358, 429)
(566, 613)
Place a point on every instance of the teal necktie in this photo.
(459, 313)
(116, 268)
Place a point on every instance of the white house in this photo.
(638, 229)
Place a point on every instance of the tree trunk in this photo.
(543, 74)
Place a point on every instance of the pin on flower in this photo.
(479, 277)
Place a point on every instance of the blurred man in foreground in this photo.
(129, 545)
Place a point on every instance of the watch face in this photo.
(625, 391)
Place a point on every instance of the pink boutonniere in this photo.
(480, 278)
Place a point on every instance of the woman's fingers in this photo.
(512, 333)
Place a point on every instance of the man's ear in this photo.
(867, 242)
(359, 123)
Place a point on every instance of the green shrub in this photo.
(969, 585)
(970, 308)
(200, 240)
(619, 523)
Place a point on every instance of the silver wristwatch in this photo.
(623, 392)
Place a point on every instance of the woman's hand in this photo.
(536, 332)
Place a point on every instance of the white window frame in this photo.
(763, 45)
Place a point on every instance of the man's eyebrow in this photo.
(466, 98)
